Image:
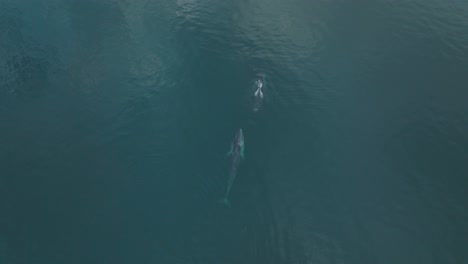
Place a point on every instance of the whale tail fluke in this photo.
(259, 93)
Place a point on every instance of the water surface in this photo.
(115, 118)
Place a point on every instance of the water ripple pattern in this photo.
(116, 117)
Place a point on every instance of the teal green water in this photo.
(116, 117)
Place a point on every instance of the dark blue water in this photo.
(116, 116)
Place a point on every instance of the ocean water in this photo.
(116, 117)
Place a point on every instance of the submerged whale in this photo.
(236, 154)
(257, 98)
(258, 92)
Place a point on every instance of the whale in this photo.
(236, 154)
(258, 93)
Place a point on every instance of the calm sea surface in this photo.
(116, 117)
